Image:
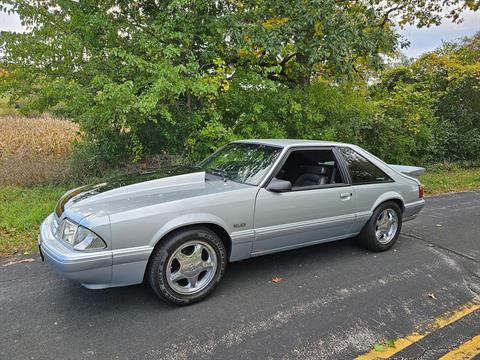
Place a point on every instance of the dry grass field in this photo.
(35, 150)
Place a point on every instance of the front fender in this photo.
(187, 220)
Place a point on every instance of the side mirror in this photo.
(277, 185)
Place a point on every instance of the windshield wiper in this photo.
(219, 172)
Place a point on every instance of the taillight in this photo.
(421, 191)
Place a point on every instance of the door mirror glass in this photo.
(277, 185)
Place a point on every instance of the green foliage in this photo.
(317, 111)
(86, 161)
(401, 130)
(437, 100)
(182, 76)
(7, 109)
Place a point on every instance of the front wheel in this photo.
(383, 228)
(187, 265)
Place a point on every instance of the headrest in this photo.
(319, 170)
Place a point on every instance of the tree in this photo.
(142, 77)
(436, 99)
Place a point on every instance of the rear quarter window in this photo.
(362, 171)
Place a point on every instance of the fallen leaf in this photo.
(379, 347)
(390, 343)
(276, 279)
(432, 295)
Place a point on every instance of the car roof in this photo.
(291, 142)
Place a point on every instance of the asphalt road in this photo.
(335, 301)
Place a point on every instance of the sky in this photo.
(421, 40)
(427, 39)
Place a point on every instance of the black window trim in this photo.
(389, 180)
(339, 160)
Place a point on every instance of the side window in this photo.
(311, 168)
(361, 170)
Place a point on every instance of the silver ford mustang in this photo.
(178, 227)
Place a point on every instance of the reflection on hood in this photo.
(87, 191)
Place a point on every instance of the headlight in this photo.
(87, 240)
(80, 237)
(67, 231)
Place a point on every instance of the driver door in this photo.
(319, 207)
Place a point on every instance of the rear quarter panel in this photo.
(372, 195)
(369, 196)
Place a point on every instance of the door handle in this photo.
(345, 195)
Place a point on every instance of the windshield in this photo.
(245, 163)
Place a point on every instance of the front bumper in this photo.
(92, 269)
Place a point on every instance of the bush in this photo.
(6, 109)
(401, 131)
(431, 106)
(318, 111)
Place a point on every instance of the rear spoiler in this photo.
(413, 171)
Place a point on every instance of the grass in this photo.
(21, 212)
(453, 179)
(35, 150)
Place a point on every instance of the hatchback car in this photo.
(178, 227)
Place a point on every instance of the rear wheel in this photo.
(383, 228)
(187, 265)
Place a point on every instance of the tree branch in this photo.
(388, 12)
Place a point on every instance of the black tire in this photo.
(157, 266)
(368, 235)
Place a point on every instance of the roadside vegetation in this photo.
(36, 150)
(140, 81)
(21, 211)
(450, 178)
(6, 109)
(23, 208)
(138, 84)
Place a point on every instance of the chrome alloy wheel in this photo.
(386, 226)
(191, 267)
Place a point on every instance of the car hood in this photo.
(139, 190)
